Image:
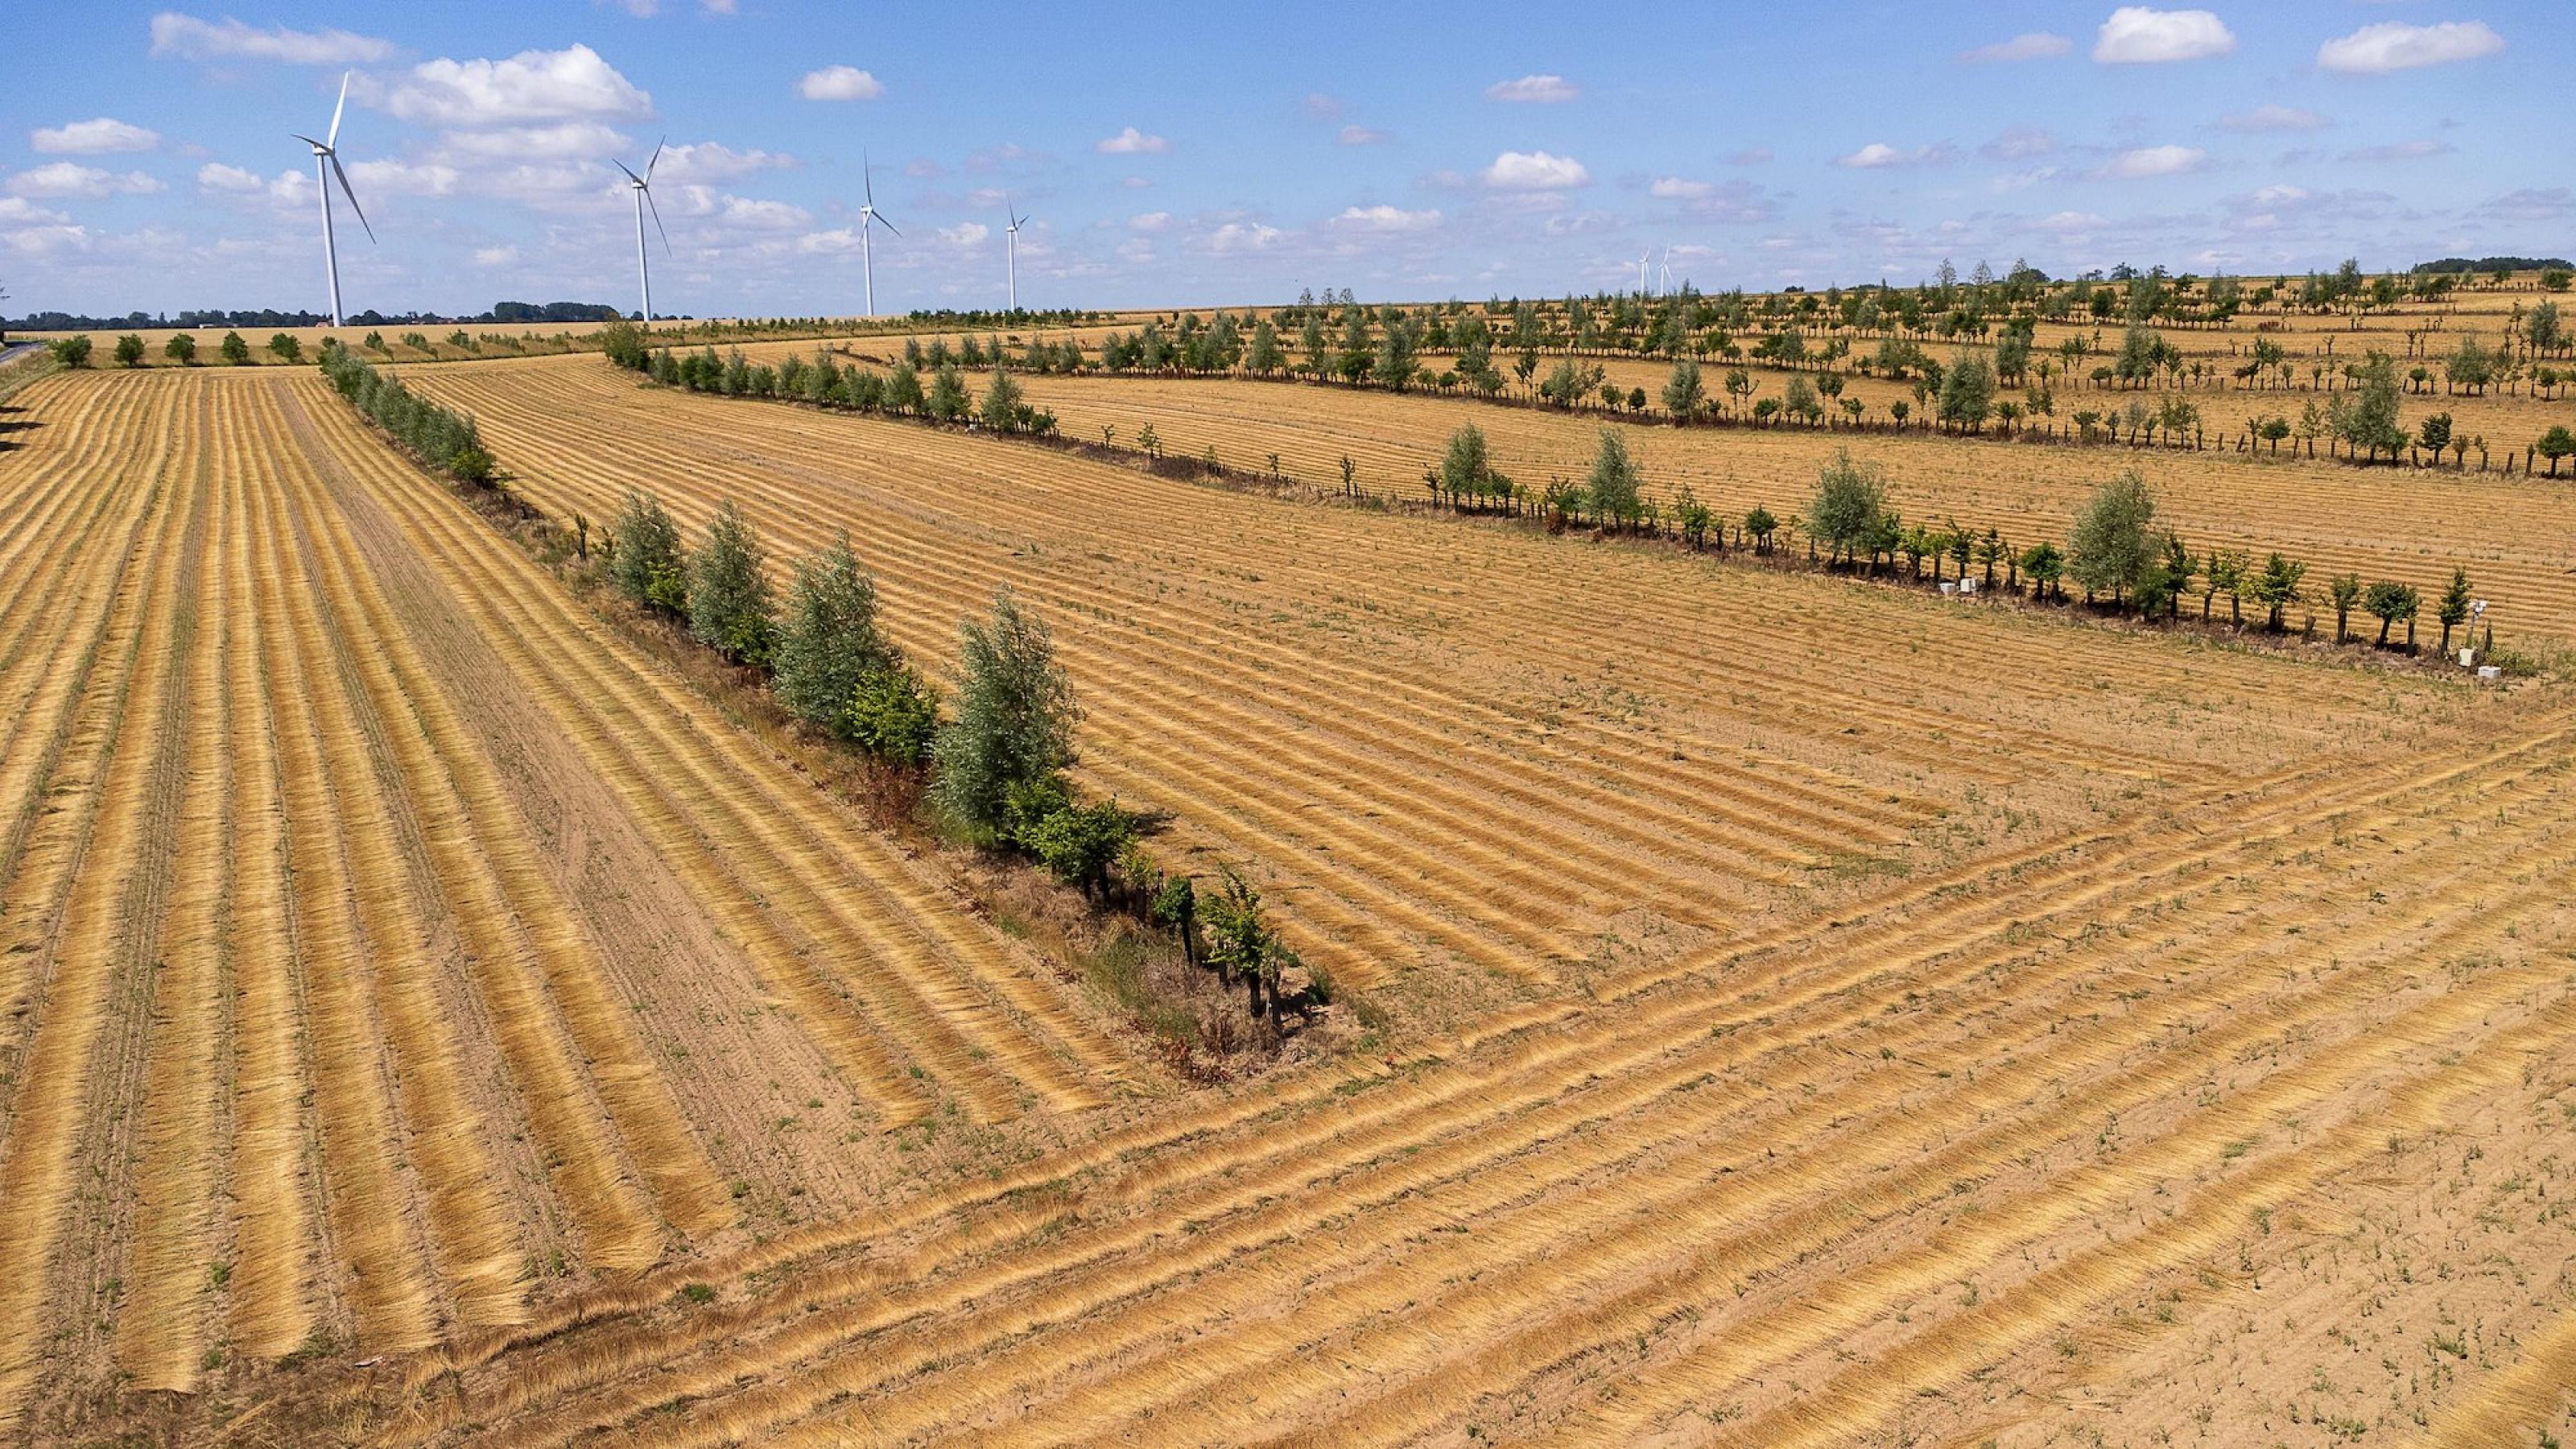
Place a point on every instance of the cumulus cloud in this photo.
(1359, 136)
(1243, 236)
(2030, 45)
(839, 83)
(1679, 188)
(2018, 143)
(1535, 171)
(2400, 151)
(495, 256)
(402, 178)
(186, 35)
(970, 234)
(1150, 221)
(1537, 90)
(1132, 142)
(63, 179)
(2395, 45)
(2147, 161)
(92, 138)
(18, 211)
(1383, 218)
(217, 177)
(534, 85)
(2273, 117)
(715, 161)
(1878, 155)
(558, 140)
(2140, 35)
(2071, 221)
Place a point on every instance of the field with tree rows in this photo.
(392, 948)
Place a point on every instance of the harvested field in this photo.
(2515, 535)
(1518, 789)
(1816, 1013)
(392, 948)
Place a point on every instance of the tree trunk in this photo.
(2383, 631)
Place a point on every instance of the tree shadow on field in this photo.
(13, 421)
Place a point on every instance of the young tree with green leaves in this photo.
(947, 402)
(1760, 525)
(129, 351)
(2276, 588)
(1079, 843)
(181, 349)
(1617, 490)
(829, 639)
(1241, 941)
(647, 565)
(285, 348)
(903, 394)
(730, 609)
(1967, 394)
(2453, 608)
(1467, 472)
(2392, 602)
(2113, 544)
(2345, 590)
(235, 351)
(1015, 716)
(893, 714)
(1850, 497)
(1264, 356)
(2046, 565)
(1684, 394)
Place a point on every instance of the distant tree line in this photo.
(903, 391)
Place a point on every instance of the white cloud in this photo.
(971, 234)
(1878, 155)
(1535, 171)
(2030, 45)
(1134, 183)
(1359, 136)
(1243, 236)
(756, 215)
(401, 178)
(1150, 221)
(16, 210)
(70, 178)
(534, 85)
(1677, 188)
(561, 140)
(495, 256)
(216, 176)
(92, 138)
(2271, 116)
(2139, 35)
(1135, 249)
(2146, 161)
(1541, 90)
(176, 34)
(839, 83)
(2019, 143)
(1383, 218)
(1132, 142)
(2071, 221)
(715, 161)
(2401, 151)
(2395, 45)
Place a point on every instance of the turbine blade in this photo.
(336, 110)
(651, 206)
(353, 196)
(881, 221)
(867, 176)
(630, 173)
(657, 159)
(309, 141)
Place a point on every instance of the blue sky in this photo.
(1211, 154)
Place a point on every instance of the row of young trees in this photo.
(823, 382)
(439, 436)
(2117, 553)
(996, 758)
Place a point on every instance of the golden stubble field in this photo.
(1824, 1014)
(391, 948)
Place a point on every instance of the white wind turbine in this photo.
(1664, 273)
(643, 188)
(1013, 232)
(868, 218)
(326, 165)
(1641, 271)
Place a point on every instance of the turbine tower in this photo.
(1013, 232)
(326, 165)
(643, 188)
(869, 219)
(1641, 272)
(1664, 273)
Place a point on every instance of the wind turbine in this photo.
(1013, 231)
(1664, 273)
(643, 188)
(326, 165)
(1641, 272)
(868, 218)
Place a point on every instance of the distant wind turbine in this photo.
(869, 218)
(643, 188)
(326, 165)
(1641, 272)
(1013, 231)
(1664, 273)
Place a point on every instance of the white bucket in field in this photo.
(1967, 586)
(1948, 588)
(2489, 672)
(2468, 656)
